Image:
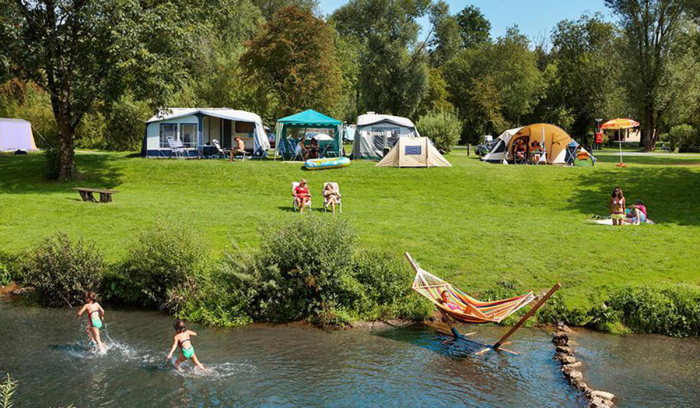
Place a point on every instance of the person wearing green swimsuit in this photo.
(95, 315)
(182, 340)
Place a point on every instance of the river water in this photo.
(298, 366)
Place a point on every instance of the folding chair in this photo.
(176, 148)
(221, 153)
(325, 200)
(329, 150)
(294, 199)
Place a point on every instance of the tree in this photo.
(587, 81)
(270, 7)
(294, 54)
(393, 70)
(494, 84)
(650, 28)
(80, 51)
(446, 41)
(476, 29)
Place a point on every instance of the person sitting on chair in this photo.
(239, 148)
(535, 152)
(520, 151)
(315, 149)
(301, 195)
(332, 196)
(301, 149)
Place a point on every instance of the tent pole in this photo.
(527, 315)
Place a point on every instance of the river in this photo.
(299, 366)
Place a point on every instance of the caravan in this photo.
(375, 133)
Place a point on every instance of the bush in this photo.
(5, 277)
(555, 310)
(443, 128)
(62, 271)
(683, 137)
(160, 260)
(52, 165)
(673, 310)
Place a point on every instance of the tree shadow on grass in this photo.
(670, 193)
(26, 174)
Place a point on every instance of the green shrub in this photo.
(684, 137)
(555, 310)
(125, 125)
(7, 391)
(52, 165)
(62, 271)
(673, 310)
(5, 277)
(160, 260)
(443, 128)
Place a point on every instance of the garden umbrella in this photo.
(618, 124)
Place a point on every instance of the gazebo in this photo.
(286, 142)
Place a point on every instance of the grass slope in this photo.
(474, 223)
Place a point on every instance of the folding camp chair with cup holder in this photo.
(325, 200)
(294, 199)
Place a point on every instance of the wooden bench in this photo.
(86, 194)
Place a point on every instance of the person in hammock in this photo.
(445, 299)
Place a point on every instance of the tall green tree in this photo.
(650, 28)
(587, 83)
(494, 85)
(475, 28)
(294, 54)
(393, 73)
(446, 38)
(270, 7)
(81, 51)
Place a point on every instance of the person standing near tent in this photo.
(301, 195)
(617, 206)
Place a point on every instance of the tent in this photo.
(287, 141)
(414, 152)
(553, 138)
(376, 132)
(16, 134)
(196, 128)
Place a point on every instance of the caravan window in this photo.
(188, 134)
(167, 130)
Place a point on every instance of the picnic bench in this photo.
(86, 194)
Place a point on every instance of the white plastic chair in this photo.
(325, 199)
(294, 200)
(176, 148)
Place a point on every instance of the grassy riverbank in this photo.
(475, 224)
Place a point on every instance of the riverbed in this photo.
(299, 366)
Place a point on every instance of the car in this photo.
(482, 149)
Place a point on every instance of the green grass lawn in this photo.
(474, 223)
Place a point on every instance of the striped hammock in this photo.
(468, 309)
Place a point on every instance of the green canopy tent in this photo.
(309, 119)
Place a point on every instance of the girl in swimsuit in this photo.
(95, 315)
(182, 340)
(617, 206)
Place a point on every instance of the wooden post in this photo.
(529, 314)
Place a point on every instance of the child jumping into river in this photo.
(182, 339)
(95, 315)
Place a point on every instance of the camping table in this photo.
(86, 194)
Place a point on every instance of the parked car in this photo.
(484, 148)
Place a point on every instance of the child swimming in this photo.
(182, 339)
(95, 315)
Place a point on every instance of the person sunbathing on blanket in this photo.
(637, 213)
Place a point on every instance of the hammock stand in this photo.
(476, 312)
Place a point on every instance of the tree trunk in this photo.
(66, 150)
(648, 137)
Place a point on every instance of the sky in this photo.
(535, 18)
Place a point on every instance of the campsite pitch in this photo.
(474, 224)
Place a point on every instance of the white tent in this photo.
(198, 127)
(16, 134)
(376, 132)
(414, 152)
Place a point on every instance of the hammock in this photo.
(470, 310)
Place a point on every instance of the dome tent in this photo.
(552, 138)
(16, 134)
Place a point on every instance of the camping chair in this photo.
(325, 201)
(176, 148)
(221, 153)
(329, 150)
(297, 154)
(294, 199)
